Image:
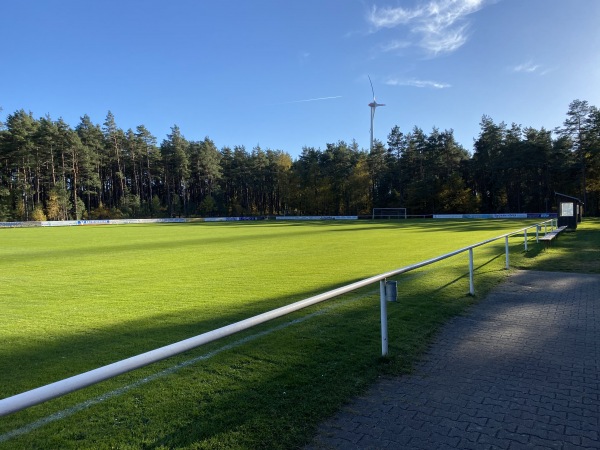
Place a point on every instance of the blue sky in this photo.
(289, 74)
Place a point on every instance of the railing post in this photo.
(537, 233)
(471, 284)
(506, 250)
(525, 238)
(384, 325)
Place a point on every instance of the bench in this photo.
(549, 236)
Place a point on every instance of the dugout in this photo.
(569, 209)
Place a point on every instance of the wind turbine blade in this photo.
(372, 90)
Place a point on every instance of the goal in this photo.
(389, 213)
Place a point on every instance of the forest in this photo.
(51, 171)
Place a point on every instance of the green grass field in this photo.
(74, 299)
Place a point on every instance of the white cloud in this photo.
(391, 17)
(394, 45)
(313, 99)
(303, 57)
(444, 41)
(527, 67)
(440, 26)
(417, 83)
(547, 71)
(530, 67)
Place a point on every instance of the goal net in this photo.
(389, 213)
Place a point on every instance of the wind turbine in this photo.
(373, 106)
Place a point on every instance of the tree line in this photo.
(51, 171)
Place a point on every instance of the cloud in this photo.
(303, 56)
(392, 17)
(532, 68)
(527, 67)
(312, 99)
(395, 45)
(418, 83)
(439, 26)
(445, 41)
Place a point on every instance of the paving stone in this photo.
(520, 370)
(589, 443)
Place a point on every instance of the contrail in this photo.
(312, 99)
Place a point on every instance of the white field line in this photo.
(163, 373)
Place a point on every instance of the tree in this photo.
(18, 151)
(227, 190)
(174, 152)
(279, 191)
(59, 203)
(91, 138)
(48, 168)
(46, 143)
(261, 183)
(79, 161)
(360, 187)
(150, 168)
(535, 190)
(487, 160)
(396, 175)
(575, 127)
(446, 161)
(338, 161)
(205, 172)
(308, 182)
(381, 169)
(240, 179)
(113, 161)
(592, 138)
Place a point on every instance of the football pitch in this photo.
(77, 298)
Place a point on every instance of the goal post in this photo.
(389, 213)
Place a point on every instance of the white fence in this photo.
(316, 218)
(33, 397)
(74, 223)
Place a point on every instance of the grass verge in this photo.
(571, 251)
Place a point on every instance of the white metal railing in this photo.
(537, 226)
(42, 394)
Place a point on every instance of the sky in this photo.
(284, 75)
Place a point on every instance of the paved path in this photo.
(520, 370)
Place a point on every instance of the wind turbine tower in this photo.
(373, 106)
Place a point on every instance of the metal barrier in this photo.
(42, 394)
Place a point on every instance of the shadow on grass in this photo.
(272, 393)
(45, 359)
(465, 276)
(573, 251)
(535, 250)
(470, 225)
(226, 401)
(169, 244)
(107, 249)
(333, 359)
